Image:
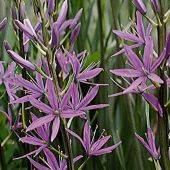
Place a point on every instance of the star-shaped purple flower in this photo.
(91, 147)
(142, 71)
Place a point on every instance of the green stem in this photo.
(163, 121)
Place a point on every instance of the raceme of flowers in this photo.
(51, 91)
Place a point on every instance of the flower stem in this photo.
(163, 121)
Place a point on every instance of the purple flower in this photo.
(41, 139)
(150, 145)
(83, 75)
(142, 71)
(140, 6)
(52, 163)
(3, 23)
(19, 60)
(139, 39)
(55, 111)
(91, 147)
(82, 105)
(33, 88)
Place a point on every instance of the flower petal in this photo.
(126, 72)
(55, 128)
(40, 121)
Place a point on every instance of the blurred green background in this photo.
(126, 114)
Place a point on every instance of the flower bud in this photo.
(19, 60)
(3, 23)
(155, 5)
(7, 45)
(62, 13)
(140, 6)
(51, 5)
(75, 33)
(26, 28)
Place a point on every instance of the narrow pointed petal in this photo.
(86, 137)
(75, 63)
(3, 23)
(52, 98)
(51, 159)
(40, 121)
(154, 102)
(71, 113)
(151, 140)
(97, 106)
(66, 97)
(139, 25)
(37, 165)
(41, 106)
(55, 128)
(123, 50)
(148, 53)
(89, 97)
(126, 72)
(19, 60)
(99, 143)
(76, 136)
(75, 95)
(18, 80)
(106, 150)
(128, 36)
(31, 140)
(158, 62)
(133, 58)
(134, 85)
(155, 78)
(141, 140)
(89, 74)
(62, 13)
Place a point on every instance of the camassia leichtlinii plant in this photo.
(146, 73)
(46, 98)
